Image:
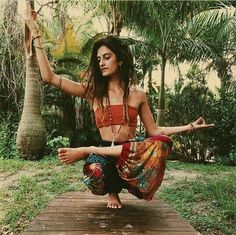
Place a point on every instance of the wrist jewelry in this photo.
(35, 37)
(192, 127)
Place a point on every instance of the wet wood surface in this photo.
(75, 213)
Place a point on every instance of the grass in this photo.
(32, 193)
(207, 202)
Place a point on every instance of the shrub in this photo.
(224, 135)
(185, 104)
(58, 142)
(8, 129)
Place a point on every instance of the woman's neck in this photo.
(115, 85)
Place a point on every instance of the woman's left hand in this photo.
(200, 123)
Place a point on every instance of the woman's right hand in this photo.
(30, 17)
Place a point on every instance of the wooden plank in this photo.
(83, 213)
(75, 203)
(93, 208)
(79, 216)
(110, 225)
(102, 233)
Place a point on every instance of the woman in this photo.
(120, 162)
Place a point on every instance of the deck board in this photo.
(75, 213)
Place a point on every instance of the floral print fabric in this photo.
(142, 165)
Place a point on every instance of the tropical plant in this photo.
(8, 125)
(185, 103)
(168, 26)
(11, 59)
(31, 133)
(223, 113)
(69, 53)
(215, 28)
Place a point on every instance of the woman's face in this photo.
(107, 60)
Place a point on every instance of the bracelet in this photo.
(60, 81)
(192, 127)
(38, 36)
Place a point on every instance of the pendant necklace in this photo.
(115, 135)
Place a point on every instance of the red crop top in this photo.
(102, 116)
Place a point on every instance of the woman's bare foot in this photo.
(70, 155)
(114, 201)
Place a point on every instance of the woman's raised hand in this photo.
(200, 123)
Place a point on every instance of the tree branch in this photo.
(46, 4)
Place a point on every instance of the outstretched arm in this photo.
(70, 155)
(152, 129)
(46, 71)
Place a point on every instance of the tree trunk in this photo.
(116, 21)
(31, 134)
(224, 72)
(68, 127)
(161, 103)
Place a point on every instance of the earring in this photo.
(120, 63)
(129, 85)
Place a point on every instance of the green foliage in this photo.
(86, 131)
(58, 142)
(186, 104)
(11, 58)
(8, 126)
(194, 99)
(224, 135)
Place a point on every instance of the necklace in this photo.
(114, 134)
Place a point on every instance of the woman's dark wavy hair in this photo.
(97, 86)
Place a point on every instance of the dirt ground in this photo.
(11, 179)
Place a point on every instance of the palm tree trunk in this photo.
(161, 103)
(31, 133)
(223, 72)
(116, 20)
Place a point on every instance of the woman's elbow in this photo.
(156, 131)
(48, 78)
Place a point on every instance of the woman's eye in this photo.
(107, 58)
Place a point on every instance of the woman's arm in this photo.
(70, 155)
(46, 71)
(149, 123)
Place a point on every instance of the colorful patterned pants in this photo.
(101, 175)
(140, 168)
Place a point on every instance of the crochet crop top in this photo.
(115, 116)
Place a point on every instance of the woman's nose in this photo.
(101, 63)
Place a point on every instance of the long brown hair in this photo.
(97, 86)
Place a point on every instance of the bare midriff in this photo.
(126, 133)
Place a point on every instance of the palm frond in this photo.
(194, 50)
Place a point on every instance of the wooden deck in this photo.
(75, 213)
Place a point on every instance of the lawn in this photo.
(204, 194)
